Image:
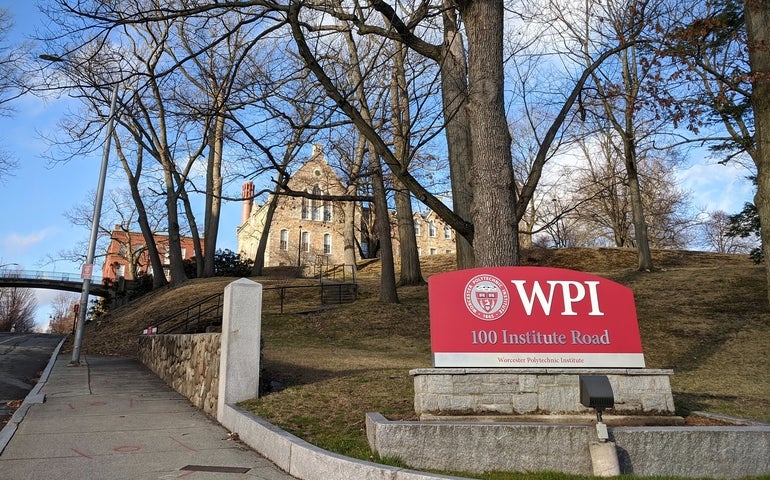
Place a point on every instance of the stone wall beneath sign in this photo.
(476, 391)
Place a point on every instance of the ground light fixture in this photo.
(596, 393)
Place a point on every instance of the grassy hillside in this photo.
(703, 315)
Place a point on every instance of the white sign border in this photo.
(537, 360)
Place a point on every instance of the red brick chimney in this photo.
(247, 194)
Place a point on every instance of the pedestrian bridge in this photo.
(69, 282)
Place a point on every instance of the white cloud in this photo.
(16, 243)
(717, 187)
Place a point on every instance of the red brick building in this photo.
(127, 255)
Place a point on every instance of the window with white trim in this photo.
(315, 204)
(327, 243)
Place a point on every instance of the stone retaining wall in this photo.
(453, 391)
(188, 363)
(694, 452)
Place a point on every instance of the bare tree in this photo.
(17, 309)
(64, 316)
(715, 235)
(12, 84)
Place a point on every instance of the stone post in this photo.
(239, 357)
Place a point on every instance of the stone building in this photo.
(433, 235)
(127, 254)
(308, 232)
(303, 231)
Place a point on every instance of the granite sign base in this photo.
(525, 391)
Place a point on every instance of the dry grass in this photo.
(704, 315)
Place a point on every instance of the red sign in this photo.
(532, 317)
(87, 271)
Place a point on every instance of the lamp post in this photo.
(88, 267)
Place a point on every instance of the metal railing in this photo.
(196, 317)
(42, 275)
(208, 311)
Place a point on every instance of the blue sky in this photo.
(33, 201)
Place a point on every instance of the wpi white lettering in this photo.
(537, 294)
(528, 302)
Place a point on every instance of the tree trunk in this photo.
(349, 210)
(757, 14)
(178, 275)
(190, 215)
(454, 93)
(631, 84)
(259, 258)
(411, 273)
(388, 292)
(158, 278)
(349, 238)
(401, 123)
(494, 217)
(637, 209)
(213, 194)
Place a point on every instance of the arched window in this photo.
(327, 243)
(447, 232)
(432, 228)
(327, 211)
(316, 204)
(417, 231)
(305, 208)
(284, 239)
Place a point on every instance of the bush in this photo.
(226, 264)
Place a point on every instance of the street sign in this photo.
(87, 272)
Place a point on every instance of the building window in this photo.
(316, 204)
(447, 232)
(327, 211)
(284, 239)
(121, 271)
(433, 251)
(305, 241)
(419, 251)
(447, 251)
(327, 243)
(417, 232)
(431, 228)
(184, 254)
(305, 208)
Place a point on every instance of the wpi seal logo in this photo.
(486, 297)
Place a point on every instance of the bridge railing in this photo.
(13, 273)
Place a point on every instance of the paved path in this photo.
(113, 419)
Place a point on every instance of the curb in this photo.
(306, 461)
(32, 398)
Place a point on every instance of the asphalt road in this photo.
(23, 356)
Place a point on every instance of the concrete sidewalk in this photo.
(113, 419)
